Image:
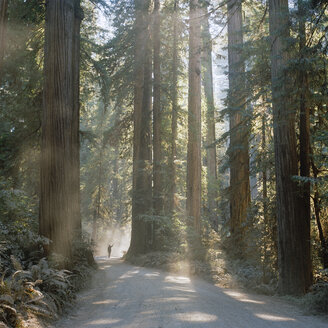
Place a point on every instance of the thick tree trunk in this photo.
(305, 188)
(291, 255)
(174, 122)
(3, 31)
(59, 196)
(207, 75)
(141, 233)
(157, 117)
(194, 118)
(239, 133)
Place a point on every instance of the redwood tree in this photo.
(60, 187)
(157, 117)
(292, 257)
(174, 120)
(304, 123)
(207, 76)
(194, 117)
(141, 233)
(239, 147)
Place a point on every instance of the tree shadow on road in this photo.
(125, 296)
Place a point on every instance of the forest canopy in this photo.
(174, 129)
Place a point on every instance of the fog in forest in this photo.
(119, 237)
(188, 137)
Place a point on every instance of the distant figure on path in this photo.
(109, 249)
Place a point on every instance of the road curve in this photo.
(126, 296)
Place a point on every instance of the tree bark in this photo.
(264, 172)
(264, 195)
(291, 255)
(141, 233)
(76, 201)
(174, 122)
(3, 31)
(97, 201)
(239, 133)
(207, 76)
(157, 117)
(305, 188)
(316, 204)
(59, 196)
(194, 118)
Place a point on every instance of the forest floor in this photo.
(127, 296)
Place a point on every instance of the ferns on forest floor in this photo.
(40, 290)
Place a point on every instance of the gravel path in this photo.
(125, 296)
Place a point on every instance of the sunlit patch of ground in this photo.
(242, 297)
(172, 299)
(102, 322)
(177, 279)
(270, 317)
(196, 317)
(129, 274)
(181, 289)
(127, 296)
(155, 274)
(105, 302)
(213, 269)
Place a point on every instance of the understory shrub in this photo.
(317, 300)
(30, 286)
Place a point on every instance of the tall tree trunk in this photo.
(265, 196)
(78, 16)
(59, 196)
(207, 75)
(316, 204)
(174, 122)
(3, 31)
(239, 133)
(305, 188)
(97, 205)
(264, 172)
(157, 117)
(97, 200)
(117, 195)
(291, 256)
(194, 117)
(94, 232)
(142, 152)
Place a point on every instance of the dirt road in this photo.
(124, 296)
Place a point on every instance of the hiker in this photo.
(109, 250)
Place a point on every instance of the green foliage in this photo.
(317, 300)
(107, 94)
(21, 92)
(41, 287)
